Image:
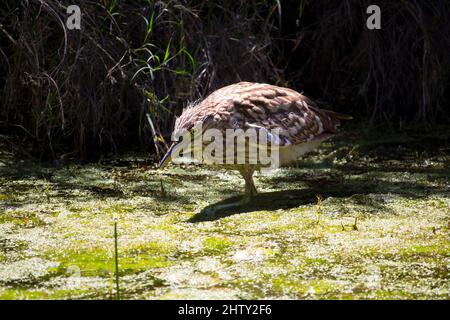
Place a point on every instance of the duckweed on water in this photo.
(381, 229)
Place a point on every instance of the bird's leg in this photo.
(250, 189)
(250, 192)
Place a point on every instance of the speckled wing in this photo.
(262, 106)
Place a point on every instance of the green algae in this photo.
(379, 231)
(15, 294)
(217, 245)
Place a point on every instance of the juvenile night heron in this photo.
(302, 126)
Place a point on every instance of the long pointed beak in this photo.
(167, 157)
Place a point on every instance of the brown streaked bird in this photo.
(301, 123)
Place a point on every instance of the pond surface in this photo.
(366, 216)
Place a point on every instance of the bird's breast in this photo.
(289, 154)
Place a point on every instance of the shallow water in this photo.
(362, 217)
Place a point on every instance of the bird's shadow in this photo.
(285, 199)
(355, 189)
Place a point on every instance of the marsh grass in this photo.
(318, 208)
(116, 261)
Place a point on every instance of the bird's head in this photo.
(188, 126)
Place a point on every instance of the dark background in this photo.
(80, 93)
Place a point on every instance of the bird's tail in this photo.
(336, 115)
(331, 119)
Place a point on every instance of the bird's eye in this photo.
(177, 139)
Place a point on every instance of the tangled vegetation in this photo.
(121, 79)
